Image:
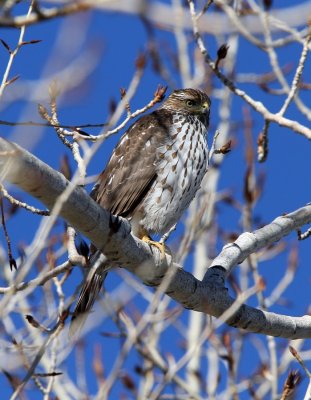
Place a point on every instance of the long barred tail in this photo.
(89, 293)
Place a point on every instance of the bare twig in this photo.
(256, 105)
(297, 77)
(14, 52)
(19, 203)
(54, 333)
(12, 261)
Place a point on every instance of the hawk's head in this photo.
(189, 101)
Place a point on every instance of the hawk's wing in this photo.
(131, 169)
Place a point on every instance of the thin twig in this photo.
(54, 333)
(19, 203)
(40, 280)
(256, 105)
(14, 53)
(12, 261)
(297, 77)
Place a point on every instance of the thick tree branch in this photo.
(112, 236)
(43, 14)
(164, 15)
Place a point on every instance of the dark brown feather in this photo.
(87, 297)
(131, 169)
(89, 292)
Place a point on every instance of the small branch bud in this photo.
(267, 4)
(123, 93)
(32, 321)
(221, 54)
(43, 112)
(261, 284)
(159, 94)
(12, 80)
(64, 316)
(54, 91)
(141, 61)
(30, 42)
(127, 106)
(226, 148)
(262, 149)
(12, 263)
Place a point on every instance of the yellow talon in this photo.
(159, 245)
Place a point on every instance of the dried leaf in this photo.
(292, 381)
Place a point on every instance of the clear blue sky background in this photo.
(117, 40)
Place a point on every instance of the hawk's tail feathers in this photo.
(89, 293)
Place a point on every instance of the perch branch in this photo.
(112, 235)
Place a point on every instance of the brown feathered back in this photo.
(131, 171)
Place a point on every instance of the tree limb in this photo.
(164, 16)
(112, 235)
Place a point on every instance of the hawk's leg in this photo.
(159, 245)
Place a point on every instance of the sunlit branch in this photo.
(112, 235)
(256, 105)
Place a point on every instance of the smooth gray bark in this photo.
(112, 235)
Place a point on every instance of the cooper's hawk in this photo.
(154, 172)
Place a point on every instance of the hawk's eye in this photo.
(190, 103)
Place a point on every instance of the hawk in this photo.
(153, 174)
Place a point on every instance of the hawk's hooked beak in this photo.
(205, 106)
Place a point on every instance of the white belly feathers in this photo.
(180, 173)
